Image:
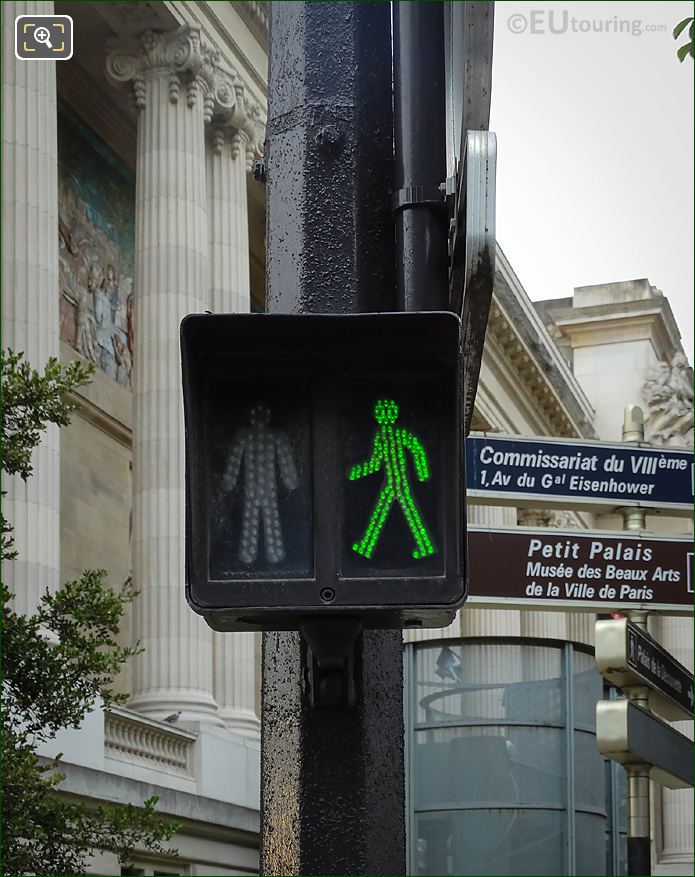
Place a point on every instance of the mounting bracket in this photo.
(330, 660)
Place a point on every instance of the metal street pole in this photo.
(420, 151)
(638, 816)
(332, 777)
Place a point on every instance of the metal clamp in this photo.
(419, 196)
(259, 170)
(330, 660)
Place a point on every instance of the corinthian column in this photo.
(676, 810)
(166, 73)
(228, 159)
(228, 225)
(30, 294)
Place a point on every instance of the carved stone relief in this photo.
(559, 519)
(96, 197)
(668, 392)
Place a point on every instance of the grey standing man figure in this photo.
(260, 447)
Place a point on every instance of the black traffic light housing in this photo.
(324, 469)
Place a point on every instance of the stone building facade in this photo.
(564, 367)
(127, 203)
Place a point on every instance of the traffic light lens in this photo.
(388, 453)
(389, 520)
(259, 476)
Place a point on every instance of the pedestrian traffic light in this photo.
(324, 468)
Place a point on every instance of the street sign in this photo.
(472, 156)
(630, 735)
(323, 468)
(594, 572)
(473, 242)
(583, 475)
(628, 656)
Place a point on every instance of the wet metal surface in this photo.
(420, 155)
(332, 779)
(329, 159)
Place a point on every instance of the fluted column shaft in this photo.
(171, 279)
(234, 667)
(235, 682)
(30, 295)
(228, 222)
(676, 635)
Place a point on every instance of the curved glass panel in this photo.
(499, 783)
(481, 681)
(590, 844)
(588, 772)
(492, 765)
(587, 689)
(483, 842)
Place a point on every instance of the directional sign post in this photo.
(472, 232)
(584, 475)
(595, 572)
(472, 273)
(628, 656)
(630, 735)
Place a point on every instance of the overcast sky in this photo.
(595, 148)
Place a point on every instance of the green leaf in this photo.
(31, 401)
(685, 50)
(680, 27)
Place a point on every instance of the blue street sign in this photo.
(554, 472)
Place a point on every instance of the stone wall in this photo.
(96, 488)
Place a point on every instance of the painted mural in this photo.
(96, 228)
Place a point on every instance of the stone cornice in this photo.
(650, 318)
(97, 417)
(255, 15)
(530, 351)
(133, 18)
(514, 366)
(206, 14)
(200, 816)
(102, 402)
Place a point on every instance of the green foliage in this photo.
(59, 661)
(31, 401)
(43, 834)
(687, 48)
(57, 665)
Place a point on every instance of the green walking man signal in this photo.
(388, 452)
(349, 501)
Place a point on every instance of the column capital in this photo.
(240, 146)
(231, 106)
(189, 62)
(179, 54)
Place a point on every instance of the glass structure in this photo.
(503, 772)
